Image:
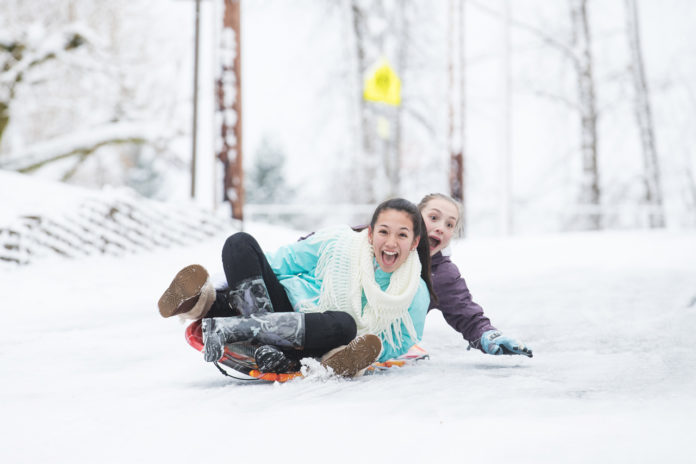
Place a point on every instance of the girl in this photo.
(441, 216)
(316, 295)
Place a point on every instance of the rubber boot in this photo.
(190, 295)
(352, 359)
(286, 330)
(271, 359)
(250, 296)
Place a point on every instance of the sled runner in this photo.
(239, 360)
(415, 353)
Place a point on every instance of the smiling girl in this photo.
(314, 296)
(441, 216)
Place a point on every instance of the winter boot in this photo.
(190, 295)
(352, 359)
(250, 296)
(271, 359)
(285, 330)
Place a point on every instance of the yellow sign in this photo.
(383, 85)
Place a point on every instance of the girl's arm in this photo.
(457, 305)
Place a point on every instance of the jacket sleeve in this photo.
(293, 259)
(457, 305)
(418, 310)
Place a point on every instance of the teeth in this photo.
(390, 253)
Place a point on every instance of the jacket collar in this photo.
(438, 258)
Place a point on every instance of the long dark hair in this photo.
(419, 230)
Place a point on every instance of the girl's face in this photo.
(393, 238)
(440, 218)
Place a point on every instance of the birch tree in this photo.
(643, 113)
(590, 194)
(363, 187)
(379, 32)
(456, 108)
(578, 52)
(387, 29)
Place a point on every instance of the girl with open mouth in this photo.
(348, 297)
(441, 215)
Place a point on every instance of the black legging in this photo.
(242, 258)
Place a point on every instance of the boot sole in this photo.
(182, 293)
(356, 356)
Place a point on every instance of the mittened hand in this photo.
(494, 342)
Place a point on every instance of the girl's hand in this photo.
(494, 342)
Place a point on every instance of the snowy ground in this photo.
(91, 373)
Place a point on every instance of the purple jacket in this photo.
(455, 302)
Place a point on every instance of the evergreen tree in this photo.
(266, 181)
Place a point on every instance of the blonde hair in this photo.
(432, 196)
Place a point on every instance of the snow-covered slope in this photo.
(92, 373)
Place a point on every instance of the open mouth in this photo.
(434, 242)
(389, 257)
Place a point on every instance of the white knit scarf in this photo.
(346, 268)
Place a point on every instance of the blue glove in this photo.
(494, 342)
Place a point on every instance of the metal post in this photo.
(229, 103)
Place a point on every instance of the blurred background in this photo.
(540, 116)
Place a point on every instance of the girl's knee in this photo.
(344, 325)
(238, 237)
(327, 330)
(237, 241)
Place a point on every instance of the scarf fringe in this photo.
(347, 269)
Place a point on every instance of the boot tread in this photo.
(182, 294)
(360, 353)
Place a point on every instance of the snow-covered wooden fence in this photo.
(116, 222)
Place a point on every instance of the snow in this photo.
(37, 196)
(81, 140)
(92, 373)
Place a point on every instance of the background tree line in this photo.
(565, 115)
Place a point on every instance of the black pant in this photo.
(242, 258)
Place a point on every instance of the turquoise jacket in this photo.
(295, 267)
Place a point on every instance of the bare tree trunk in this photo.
(506, 164)
(462, 121)
(7, 95)
(690, 191)
(364, 187)
(194, 119)
(4, 118)
(643, 112)
(456, 133)
(403, 42)
(590, 194)
(383, 31)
